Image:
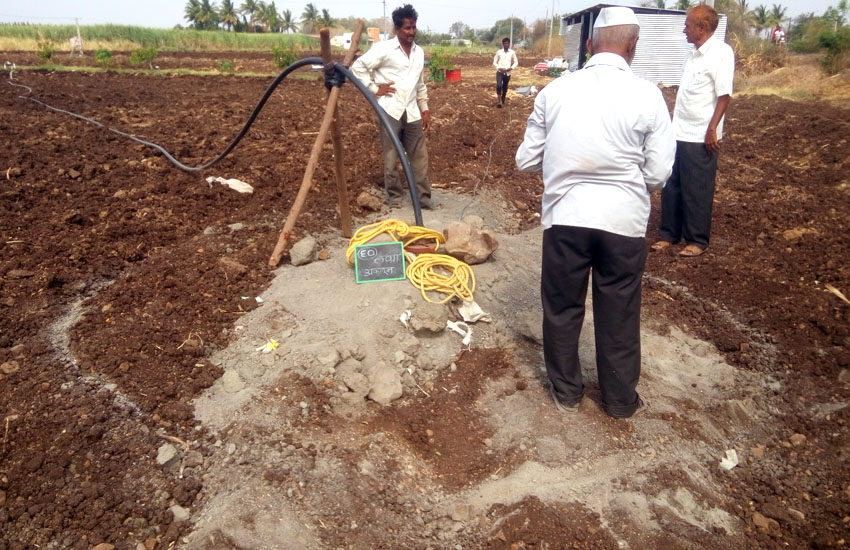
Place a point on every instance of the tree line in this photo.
(254, 16)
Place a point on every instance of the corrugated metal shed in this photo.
(662, 47)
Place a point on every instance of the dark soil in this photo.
(85, 212)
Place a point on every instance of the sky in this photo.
(436, 15)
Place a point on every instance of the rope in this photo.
(398, 230)
(444, 274)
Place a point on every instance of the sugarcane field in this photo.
(204, 359)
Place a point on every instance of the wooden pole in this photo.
(307, 181)
(336, 137)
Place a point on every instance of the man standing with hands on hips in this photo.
(392, 70)
(701, 102)
(602, 137)
(505, 61)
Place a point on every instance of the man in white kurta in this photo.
(603, 139)
(393, 71)
(701, 103)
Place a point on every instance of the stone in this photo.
(2, 498)
(19, 274)
(193, 459)
(324, 254)
(236, 226)
(304, 251)
(103, 546)
(798, 440)
(74, 174)
(385, 385)
(758, 451)
(368, 201)
(844, 376)
(476, 222)
(10, 367)
(166, 454)
(429, 318)
(424, 362)
(796, 515)
(764, 523)
(179, 513)
(356, 382)
(349, 404)
(231, 382)
(530, 325)
(232, 267)
(461, 512)
(468, 244)
(329, 358)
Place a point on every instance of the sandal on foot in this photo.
(692, 251)
(660, 245)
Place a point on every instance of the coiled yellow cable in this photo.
(398, 230)
(444, 274)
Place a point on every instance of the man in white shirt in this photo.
(505, 61)
(602, 137)
(701, 102)
(393, 72)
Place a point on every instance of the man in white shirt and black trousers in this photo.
(392, 70)
(505, 61)
(603, 139)
(701, 102)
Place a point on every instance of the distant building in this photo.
(661, 49)
(342, 41)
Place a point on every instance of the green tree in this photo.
(458, 29)
(287, 22)
(660, 4)
(326, 20)
(227, 14)
(777, 14)
(309, 18)
(249, 8)
(684, 5)
(760, 18)
(191, 11)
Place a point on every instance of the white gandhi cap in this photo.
(613, 16)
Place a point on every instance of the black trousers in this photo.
(502, 80)
(617, 262)
(688, 196)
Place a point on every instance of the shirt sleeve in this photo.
(659, 148)
(529, 156)
(422, 92)
(515, 62)
(725, 72)
(364, 65)
(496, 60)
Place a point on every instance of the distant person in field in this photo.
(599, 164)
(701, 102)
(505, 61)
(392, 70)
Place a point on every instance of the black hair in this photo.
(404, 12)
(504, 39)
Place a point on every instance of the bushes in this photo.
(143, 55)
(439, 63)
(225, 67)
(103, 58)
(837, 46)
(45, 51)
(285, 54)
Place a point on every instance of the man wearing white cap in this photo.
(603, 139)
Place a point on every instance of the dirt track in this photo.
(121, 279)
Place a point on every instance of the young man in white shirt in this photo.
(505, 61)
(701, 102)
(602, 137)
(393, 72)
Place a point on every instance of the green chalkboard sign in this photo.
(379, 262)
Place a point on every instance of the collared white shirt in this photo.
(707, 75)
(505, 60)
(386, 62)
(603, 138)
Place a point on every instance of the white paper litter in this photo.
(233, 183)
(462, 329)
(730, 461)
(405, 317)
(472, 312)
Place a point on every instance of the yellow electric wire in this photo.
(398, 230)
(442, 273)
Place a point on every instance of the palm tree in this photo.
(309, 17)
(271, 17)
(326, 20)
(227, 14)
(777, 14)
(249, 7)
(761, 18)
(660, 4)
(684, 5)
(191, 10)
(287, 23)
(207, 15)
